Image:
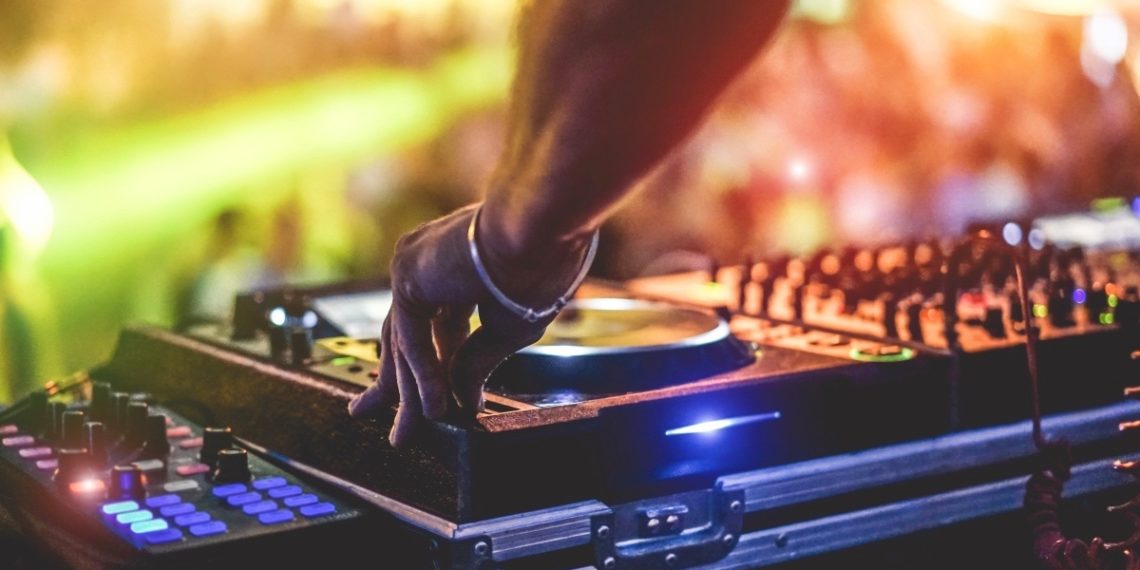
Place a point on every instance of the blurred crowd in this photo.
(865, 121)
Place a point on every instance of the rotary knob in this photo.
(232, 466)
(156, 444)
(74, 465)
(127, 482)
(215, 439)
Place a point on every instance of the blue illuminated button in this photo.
(318, 509)
(175, 510)
(208, 529)
(119, 507)
(282, 492)
(163, 536)
(269, 483)
(261, 507)
(134, 517)
(275, 517)
(192, 519)
(231, 489)
(244, 499)
(300, 500)
(163, 500)
(149, 526)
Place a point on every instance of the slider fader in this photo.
(147, 487)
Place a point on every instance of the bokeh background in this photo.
(156, 156)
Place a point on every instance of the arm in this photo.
(603, 91)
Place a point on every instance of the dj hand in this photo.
(427, 353)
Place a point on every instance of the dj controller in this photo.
(854, 404)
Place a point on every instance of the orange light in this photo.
(86, 487)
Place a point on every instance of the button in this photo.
(243, 499)
(179, 486)
(163, 536)
(149, 526)
(191, 443)
(178, 432)
(282, 492)
(192, 469)
(231, 489)
(300, 500)
(47, 464)
(150, 465)
(18, 441)
(175, 510)
(269, 483)
(275, 517)
(163, 500)
(134, 517)
(119, 507)
(192, 518)
(318, 509)
(33, 452)
(9, 429)
(261, 507)
(208, 529)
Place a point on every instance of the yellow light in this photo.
(23, 204)
(1113, 300)
(1040, 311)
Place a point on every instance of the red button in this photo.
(192, 469)
(190, 443)
(177, 432)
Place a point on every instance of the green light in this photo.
(1107, 318)
(904, 354)
(343, 361)
(1112, 300)
(23, 204)
(1108, 204)
(1040, 311)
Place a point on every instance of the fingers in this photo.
(409, 418)
(451, 327)
(477, 358)
(416, 350)
(383, 392)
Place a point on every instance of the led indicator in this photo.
(149, 526)
(120, 507)
(1079, 296)
(277, 316)
(86, 487)
(1107, 318)
(1113, 300)
(1011, 233)
(134, 517)
(1040, 311)
(717, 425)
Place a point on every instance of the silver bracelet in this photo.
(527, 313)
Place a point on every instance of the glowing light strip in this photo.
(717, 425)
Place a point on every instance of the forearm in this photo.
(604, 90)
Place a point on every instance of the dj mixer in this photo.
(782, 411)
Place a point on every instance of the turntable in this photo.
(639, 432)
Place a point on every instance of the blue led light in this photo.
(207, 529)
(269, 483)
(163, 500)
(258, 508)
(300, 500)
(244, 499)
(231, 489)
(275, 517)
(175, 510)
(717, 425)
(134, 517)
(282, 492)
(1136, 205)
(163, 536)
(317, 510)
(1079, 296)
(192, 519)
(120, 507)
(149, 526)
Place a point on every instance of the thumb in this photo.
(478, 357)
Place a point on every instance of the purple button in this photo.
(275, 517)
(163, 536)
(18, 441)
(244, 499)
(207, 529)
(269, 483)
(318, 509)
(192, 519)
(258, 508)
(178, 509)
(282, 492)
(47, 464)
(163, 500)
(231, 489)
(34, 452)
(300, 500)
